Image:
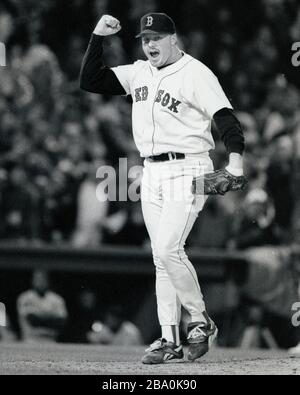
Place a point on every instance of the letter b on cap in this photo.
(2, 315)
(149, 21)
(2, 55)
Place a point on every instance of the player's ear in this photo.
(174, 39)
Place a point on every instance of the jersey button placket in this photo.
(156, 90)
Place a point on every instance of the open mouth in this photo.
(154, 54)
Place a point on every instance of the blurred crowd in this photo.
(54, 137)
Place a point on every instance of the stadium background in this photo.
(53, 137)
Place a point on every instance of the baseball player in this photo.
(42, 313)
(175, 99)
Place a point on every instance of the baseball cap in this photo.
(157, 22)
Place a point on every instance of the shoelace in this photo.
(197, 331)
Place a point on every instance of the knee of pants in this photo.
(166, 254)
(158, 264)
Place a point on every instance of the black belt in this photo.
(167, 156)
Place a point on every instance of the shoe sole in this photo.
(150, 360)
(211, 339)
(173, 360)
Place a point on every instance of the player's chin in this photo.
(156, 62)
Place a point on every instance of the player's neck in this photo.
(173, 59)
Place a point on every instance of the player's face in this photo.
(40, 282)
(158, 48)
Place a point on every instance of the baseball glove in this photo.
(217, 183)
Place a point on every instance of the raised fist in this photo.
(107, 25)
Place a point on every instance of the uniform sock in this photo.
(203, 318)
(171, 333)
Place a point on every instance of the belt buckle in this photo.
(171, 155)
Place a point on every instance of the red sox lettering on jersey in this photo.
(172, 106)
(141, 94)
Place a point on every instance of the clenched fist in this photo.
(107, 25)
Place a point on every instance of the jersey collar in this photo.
(172, 68)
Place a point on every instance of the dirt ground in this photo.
(56, 359)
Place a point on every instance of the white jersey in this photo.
(173, 106)
(30, 302)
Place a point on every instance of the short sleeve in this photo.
(124, 75)
(208, 93)
(25, 304)
(59, 306)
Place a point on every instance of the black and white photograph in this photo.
(149, 190)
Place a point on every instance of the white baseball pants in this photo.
(170, 210)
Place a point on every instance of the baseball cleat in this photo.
(200, 337)
(162, 351)
(294, 351)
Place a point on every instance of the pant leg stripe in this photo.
(196, 280)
